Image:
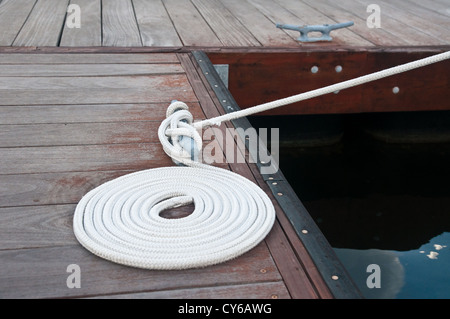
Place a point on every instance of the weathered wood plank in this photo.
(401, 29)
(421, 10)
(89, 113)
(44, 25)
(441, 7)
(52, 188)
(258, 24)
(88, 90)
(378, 36)
(434, 25)
(59, 70)
(90, 32)
(81, 158)
(418, 20)
(155, 25)
(227, 28)
(265, 290)
(78, 134)
(119, 24)
(87, 58)
(13, 14)
(190, 25)
(42, 273)
(36, 226)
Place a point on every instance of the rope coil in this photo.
(120, 220)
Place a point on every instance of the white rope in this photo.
(120, 220)
(325, 90)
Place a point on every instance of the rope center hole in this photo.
(178, 212)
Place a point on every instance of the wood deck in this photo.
(220, 23)
(71, 122)
(79, 107)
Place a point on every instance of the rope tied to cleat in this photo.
(121, 220)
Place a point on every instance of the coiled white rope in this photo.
(120, 220)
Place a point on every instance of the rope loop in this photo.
(180, 140)
(176, 106)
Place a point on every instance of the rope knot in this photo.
(179, 138)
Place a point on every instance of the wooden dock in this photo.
(219, 23)
(72, 122)
(79, 107)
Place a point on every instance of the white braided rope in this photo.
(120, 220)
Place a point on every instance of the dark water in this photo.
(376, 202)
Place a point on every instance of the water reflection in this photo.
(420, 273)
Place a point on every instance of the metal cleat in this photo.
(325, 29)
